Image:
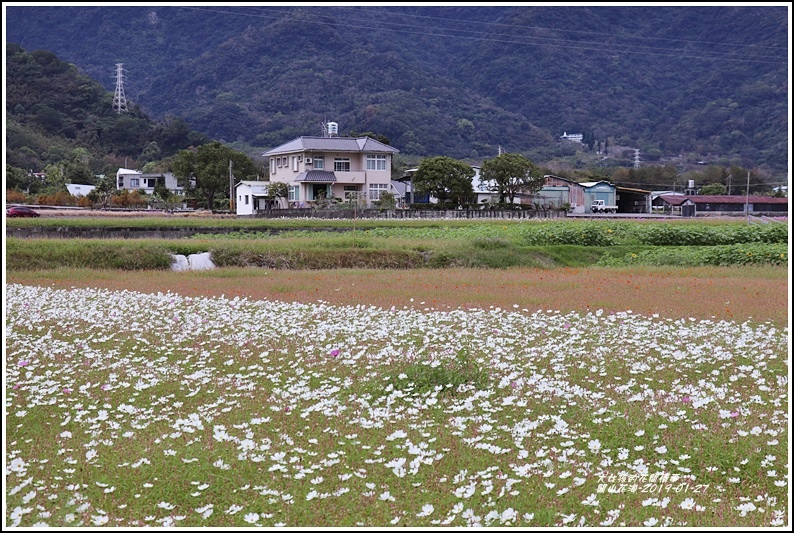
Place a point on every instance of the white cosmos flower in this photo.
(251, 518)
(568, 518)
(16, 465)
(508, 515)
(220, 464)
(745, 508)
(650, 522)
(234, 509)
(688, 503)
(427, 509)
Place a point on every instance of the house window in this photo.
(272, 166)
(318, 163)
(294, 193)
(342, 164)
(376, 189)
(295, 163)
(284, 161)
(134, 182)
(246, 199)
(376, 162)
(351, 192)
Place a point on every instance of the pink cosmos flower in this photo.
(24, 363)
(514, 384)
(734, 414)
(686, 399)
(67, 391)
(334, 353)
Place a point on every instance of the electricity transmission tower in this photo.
(119, 100)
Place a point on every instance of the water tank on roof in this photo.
(333, 129)
(691, 184)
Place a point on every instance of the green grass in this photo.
(313, 244)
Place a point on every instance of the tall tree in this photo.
(103, 191)
(444, 177)
(208, 167)
(511, 174)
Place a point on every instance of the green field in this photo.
(440, 244)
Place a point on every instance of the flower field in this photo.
(128, 408)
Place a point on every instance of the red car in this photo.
(21, 211)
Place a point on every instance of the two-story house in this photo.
(332, 167)
(135, 180)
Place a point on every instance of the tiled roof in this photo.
(317, 176)
(726, 199)
(675, 199)
(331, 144)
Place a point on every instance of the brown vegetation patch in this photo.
(757, 294)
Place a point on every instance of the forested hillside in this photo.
(459, 81)
(55, 115)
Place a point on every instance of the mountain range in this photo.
(462, 81)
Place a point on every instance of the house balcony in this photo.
(353, 177)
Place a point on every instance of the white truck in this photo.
(599, 206)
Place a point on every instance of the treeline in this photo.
(634, 77)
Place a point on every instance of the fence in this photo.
(408, 213)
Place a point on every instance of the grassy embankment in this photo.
(436, 244)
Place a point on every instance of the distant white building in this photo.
(135, 180)
(575, 137)
(484, 190)
(79, 189)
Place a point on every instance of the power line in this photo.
(538, 41)
(611, 35)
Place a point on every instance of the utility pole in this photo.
(747, 199)
(231, 188)
(119, 99)
(730, 176)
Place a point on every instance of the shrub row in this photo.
(719, 255)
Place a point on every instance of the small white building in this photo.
(251, 196)
(575, 137)
(79, 189)
(135, 180)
